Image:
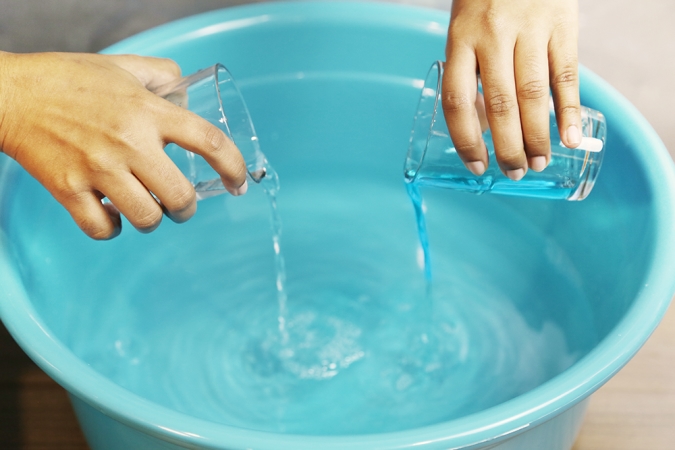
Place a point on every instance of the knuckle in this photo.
(98, 231)
(460, 30)
(537, 141)
(69, 189)
(533, 90)
(214, 139)
(171, 66)
(564, 26)
(493, 22)
(569, 110)
(455, 31)
(467, 146)
(181, 199)
(148, 219)
(567, 77)
(73, 195)
(100, 164)
(500, 105)
(511, 157)
(456, 102)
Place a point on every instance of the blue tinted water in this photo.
(433, 160)
(549, 184)
(418, 206)
(360, 341)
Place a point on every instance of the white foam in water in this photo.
(308, 345)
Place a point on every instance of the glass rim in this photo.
(224, 81)
(255, 167)
(412, 164)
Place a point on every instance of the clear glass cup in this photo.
(432, 159)
(212, 94)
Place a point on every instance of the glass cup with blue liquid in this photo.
(432, 159)
(213, 94)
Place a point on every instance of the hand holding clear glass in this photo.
(432, 159)
(212, 94)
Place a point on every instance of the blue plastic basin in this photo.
(541, 302)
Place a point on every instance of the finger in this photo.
(161, 176)
(115, 216)
(496, 64)
(98, 221)
(563, 66)
(134, 201)
(151, 72)
(197, 135)
(459, 96)
(531, 72)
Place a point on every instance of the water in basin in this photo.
(188, 317)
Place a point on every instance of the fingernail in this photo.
(476, 167)
(515, 174)
(573, 136)
(538, 163)
(241, 190)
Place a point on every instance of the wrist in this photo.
(5, 92)
(8, 94)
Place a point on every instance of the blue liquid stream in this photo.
(418, 205)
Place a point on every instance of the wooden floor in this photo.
(634, 411)
(35, 412)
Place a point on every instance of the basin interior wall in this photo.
(335, 126)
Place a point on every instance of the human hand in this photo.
(86, 126)
(520, 48)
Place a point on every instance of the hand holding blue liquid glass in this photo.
(433, 161)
